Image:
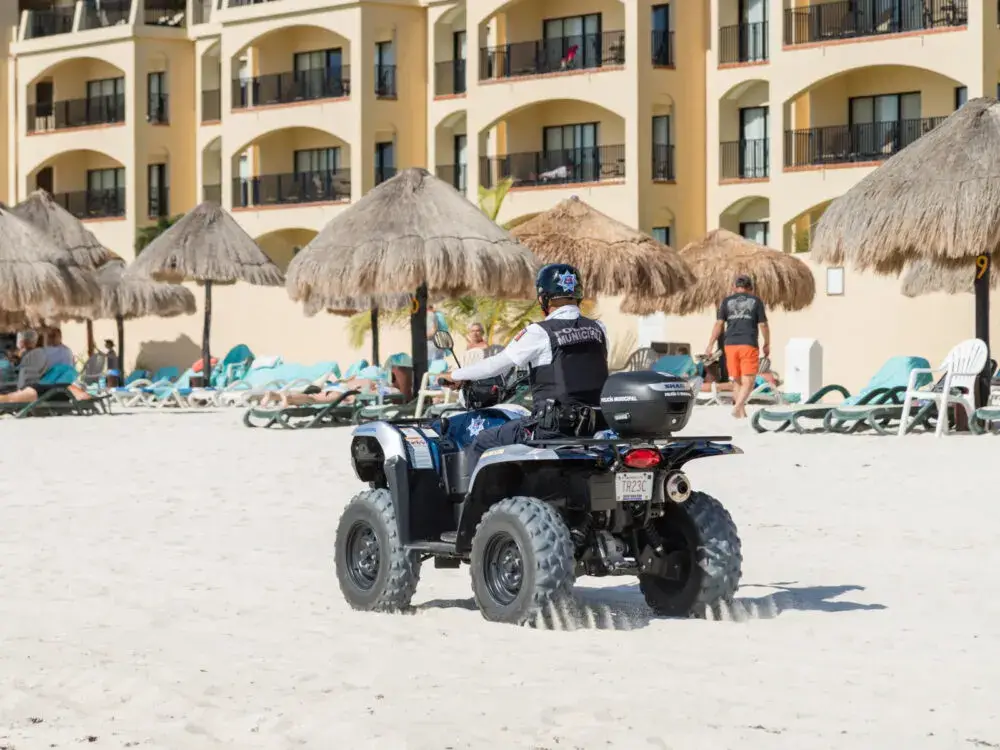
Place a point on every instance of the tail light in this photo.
(642, 458)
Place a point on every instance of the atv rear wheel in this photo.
(522, 562)
(712, 563)
(374, 570)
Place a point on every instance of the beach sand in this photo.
(166, 581)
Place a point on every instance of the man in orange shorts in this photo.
(745, 320)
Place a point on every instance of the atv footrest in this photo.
(434, 548)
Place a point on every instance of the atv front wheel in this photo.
(374, 570)
(522, 561)
(702, 533)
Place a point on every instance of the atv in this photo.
(529, 519)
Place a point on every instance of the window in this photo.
(663, 156)
(317, 160)
(573, 147)
(458, 54)
(835, 281)
(158, 203)
(319, 73)
(105, 192)
(755, 231)
(105, 179)
(561, 35)
(661, 35)
(385, 161)
(754, 126)
(106, 100)
(882, 125)
(961, 96)
(156, 110)
(661, 235)
(385, 70)
(461, 160)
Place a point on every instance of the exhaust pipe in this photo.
(677, 487)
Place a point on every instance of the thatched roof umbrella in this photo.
(349, 306)
(926, 277)
(937, 199)
(412, 232)
(613, 258)
(207, 246)
(781, 280)
(35, 274)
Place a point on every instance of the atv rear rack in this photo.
(584, 442)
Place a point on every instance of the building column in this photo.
(638, 109)
(226, 107)
(363, 102)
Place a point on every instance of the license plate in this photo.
(634, 486)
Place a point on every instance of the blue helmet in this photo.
(558, 281)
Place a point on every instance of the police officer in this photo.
(568, 359)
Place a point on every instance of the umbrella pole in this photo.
(206, 358)
(91, 346)
(120, 323)
(418, 335)
(375, 336)
(982, 289)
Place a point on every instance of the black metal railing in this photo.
(454, 174)
(76, 113)
(159, 109)
(558, 167)
(663, 49)
(170, 13)
(384, 173)
(49, 22)
(214, 193)
(211, 105)
(293, 188)
(746, 42)
(848, 19)
(158, 203)
(449, 78)
(747, 159)
(663, 162)
(285, 88)
(863, 142)
(110, 13)
(93, 204)
(556, 55)
(385, 81)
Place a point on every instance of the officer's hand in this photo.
(447, 382)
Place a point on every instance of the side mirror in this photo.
(443, 341)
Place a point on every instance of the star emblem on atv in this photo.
(476, 426)
(566, 281)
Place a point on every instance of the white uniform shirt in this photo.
(531, 347)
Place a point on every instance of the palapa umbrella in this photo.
(35, 274)
(412, 232)
(70, 235)
(924, 276)
(208, 246)
(352, 305)
(781, 280)
(938, 199)
(613, 258)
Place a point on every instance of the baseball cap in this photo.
(742, 280)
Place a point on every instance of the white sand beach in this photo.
(166, 581)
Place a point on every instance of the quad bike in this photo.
(528, 519)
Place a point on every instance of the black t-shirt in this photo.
(742, 313)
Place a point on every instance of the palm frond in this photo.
(359, 325)
(145, 235)
(490, 199)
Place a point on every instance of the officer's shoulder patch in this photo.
(520, 334)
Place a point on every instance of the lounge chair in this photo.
(960, 369)
(307, 416)
(641, 359)
(94, 370)
(233, 366)
(137, 391)
(286, 378)
(57, 399)
(888, 383)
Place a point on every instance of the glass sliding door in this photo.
(753, 143)
(573, 42)
(571, 153)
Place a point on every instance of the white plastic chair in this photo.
(960, 368)
(427, 391)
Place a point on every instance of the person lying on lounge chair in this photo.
(34, 363)
(330, 393)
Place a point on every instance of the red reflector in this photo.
(642, 458)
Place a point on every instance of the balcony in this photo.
(663, 163)
(159, 109)
(49, 22)
(385, 81)
(743, 43)
(849, 144)
(291, 189)
(291, 87)
(93, 204)
(214, 192)
(865, 18)
(663, 49)
(454, 175)
(158, 204)
(168, 13)
(555, 55)
(449, 78)
(211, 106)
(550, 168)
(747, 159)
(76, 113)
(110, 13)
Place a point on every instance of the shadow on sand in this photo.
(623, 607)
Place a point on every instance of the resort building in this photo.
(674, 118)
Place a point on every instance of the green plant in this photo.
(144, 236)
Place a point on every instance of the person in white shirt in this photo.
(567, 355)
(475, 341)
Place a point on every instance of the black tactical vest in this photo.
(579, 363)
